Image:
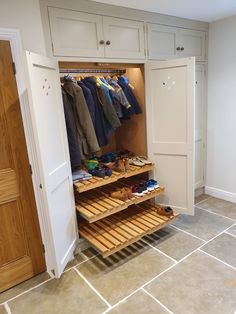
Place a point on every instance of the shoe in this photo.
(165, 211)
(144, 160)
(108, 157)
(124, 194)
(108, 171)
(152, 184)
(91, 163)
(119, 165)
(143, 186)
(127, 165)
(98, 172)
(136, 162)
(137, 191)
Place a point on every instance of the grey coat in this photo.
(85, 129)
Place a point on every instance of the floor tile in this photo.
(174, 243)
(2, 310)
(232, 230)
(81, 257)
(139, 303)
(120, 274)
(223, 247)
(69, 294)
(203, 224)
(198, 284)
(201, 198)
(26, 285)
(220, 206)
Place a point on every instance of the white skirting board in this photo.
(225, 195)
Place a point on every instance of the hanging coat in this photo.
(74, 148)
(85, 129)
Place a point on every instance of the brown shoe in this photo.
(165, 211)
(120, 195)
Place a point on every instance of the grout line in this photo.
(86, 260)
(26, 291)
(172, 226)
(159, 302)
(233, 235)
(7, 308)
(219, 260)
(203, 201)
(92, 287)
(211, 212)
(158, 250)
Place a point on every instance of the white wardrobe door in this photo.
(123, 38)
(47, 114)
(76, 33)
(170, 125)
(199, 126)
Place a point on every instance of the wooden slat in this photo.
(124, 228)
(95, 182)
(101, 205)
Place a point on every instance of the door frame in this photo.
(13, 36)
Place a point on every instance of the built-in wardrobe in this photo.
(164, 132)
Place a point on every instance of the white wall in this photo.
(221, 129)
(25, 16)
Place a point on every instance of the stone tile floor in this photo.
(186, 268)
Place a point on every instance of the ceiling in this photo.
(202, 10)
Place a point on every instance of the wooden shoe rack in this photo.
(110, 224)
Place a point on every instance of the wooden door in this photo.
(76, 34)
(170, 101)
(123, 38)
(21, 251)
(193, 44)
(200, 126)
(162, 41)
(50, 136)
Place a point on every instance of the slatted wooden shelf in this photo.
(116, 232)
(96, 182)
(97, 204)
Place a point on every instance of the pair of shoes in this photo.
(124, 194)
(139, 161)
(152, 185)
(165, 211)
(108, 157)
(91, 163)
(121, 165)
(81, 175)
(139, 190)
(101, 171)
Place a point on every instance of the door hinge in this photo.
(14, 68)
(30, 167)
(43, 248)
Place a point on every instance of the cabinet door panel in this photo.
(170, 119)
(126, 38)
(49, 129)
(162, 41)
(199, 126)
(193, 43)
(76, 33)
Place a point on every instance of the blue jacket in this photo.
(89, 100)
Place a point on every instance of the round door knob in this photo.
(101, 42)
(178, 48)
(108, 42)
(182, 48)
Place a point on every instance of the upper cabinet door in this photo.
(123, 38)
(75, 33)
(162, 41)
(192, 43)
(170, 88)
(51, 145)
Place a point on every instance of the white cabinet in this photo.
(78, 34)
(200, 118)
(123, 38)
(166, 42)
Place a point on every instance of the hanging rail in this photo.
(117, 71)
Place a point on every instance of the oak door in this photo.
(170, 92)
(49, 129)
(21, 253)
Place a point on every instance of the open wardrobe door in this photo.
(58, 208)
(170, 97)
